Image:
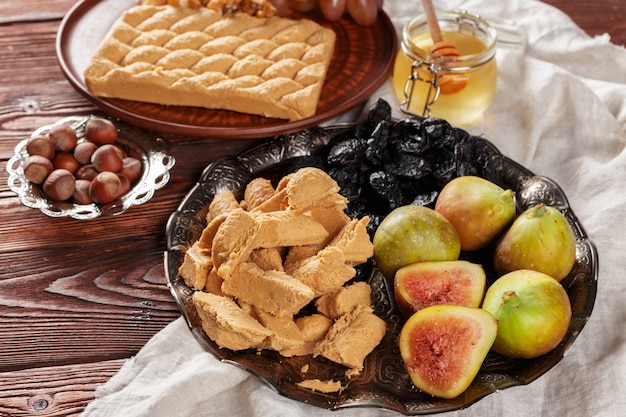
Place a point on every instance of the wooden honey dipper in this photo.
(448, 83)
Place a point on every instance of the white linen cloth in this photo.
(559, 110)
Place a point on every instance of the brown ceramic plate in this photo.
(383, 383)
(362, 61)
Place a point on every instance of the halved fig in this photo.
(425, 284)
(443, 347)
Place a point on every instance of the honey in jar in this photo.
(458, 89)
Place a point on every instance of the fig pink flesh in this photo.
(436, 355)
(425, 284)
(431, 288)
(444, 346)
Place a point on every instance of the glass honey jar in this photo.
(456, 88)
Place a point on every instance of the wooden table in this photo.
(79, 298)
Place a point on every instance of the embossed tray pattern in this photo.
(383, 383)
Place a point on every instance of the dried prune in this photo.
(409, 167)
(377, 144)
(464, 156)
(426, 199)
(375, 220)
(383, 163)
(349, 180)
(435, 127)
(380, 110)
(363, 130)
(443, 166)
(357, 208)
(459, 135)
(440, 134)
(382, 190)
(346, 152)
(408, 136)
(412, 189)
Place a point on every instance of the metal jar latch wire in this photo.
(409, 87)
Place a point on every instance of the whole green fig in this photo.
(414, 234)
(540, 239)
(533, 312)
(478, 209)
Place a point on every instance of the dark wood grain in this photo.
(77, 298)
(17, 11)
(597, 17)
(55, 391)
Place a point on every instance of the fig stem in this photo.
(511, 299)
(538, 211)
(508, 193)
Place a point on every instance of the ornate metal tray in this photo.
(383, 382)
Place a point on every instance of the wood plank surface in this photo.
(54, 391)
(597, 17)
(79, 298)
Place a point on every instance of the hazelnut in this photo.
(125, 184)
(121, 151)
(37, 168)
(100, 131)
(64, 137)
(40, 145)
(65, 160)
(81, 192)
(105, 187)
(86, 172)
(107, 158)
(83, 152)
(59, 185)
(131, 168)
